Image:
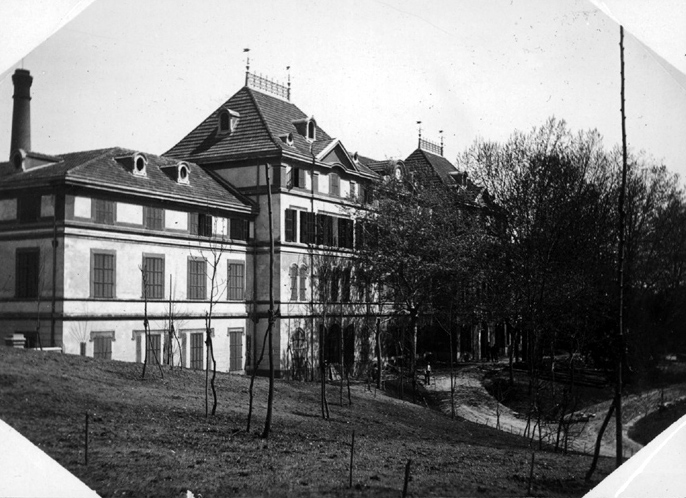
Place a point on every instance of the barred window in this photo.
(103, 274)
(334, 184)
(197, 354)
(291, 225)
(239, 229)
(153, 217)
(201, 224)
(197, 280)
(236, 280)
(153, 284)
(104, 211)
(307, 227)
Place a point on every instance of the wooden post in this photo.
(407, 477)
(86, 440)
(352, 454)
(531, 474)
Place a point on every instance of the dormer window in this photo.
(311, 130)
(140, 164)
(228, 121)
(183, 171)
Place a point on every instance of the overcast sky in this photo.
(141, 74)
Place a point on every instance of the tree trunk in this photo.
(272, 316)
(413, 353)
(598, 440)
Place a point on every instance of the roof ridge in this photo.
(103, 153)
(261, 116)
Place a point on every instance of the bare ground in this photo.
(151, 438)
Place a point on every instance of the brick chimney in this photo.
(21, 117)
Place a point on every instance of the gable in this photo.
(337, 155)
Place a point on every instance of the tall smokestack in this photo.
(21, 117)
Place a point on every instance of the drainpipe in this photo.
(55, 243)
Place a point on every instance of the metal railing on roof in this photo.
(259, 82)
(430, 146)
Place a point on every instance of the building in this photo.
(80, 231)
(316, 183)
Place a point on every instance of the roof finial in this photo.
(247, 65)
(419, 123)
(288, 94)
(440, 132)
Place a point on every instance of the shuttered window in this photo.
(103, 273)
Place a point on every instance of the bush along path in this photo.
(475, 404)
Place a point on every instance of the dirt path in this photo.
(474, 403)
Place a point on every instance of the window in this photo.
(291, 225)
(236, 280)
(239, 229)
(324, 230)
(335, 284)
(236, 350)
(27, 272)
(334, 184)
(345, 285)
(353, 193)
(104, 211)
(28, 207)
(153, 285)
(345, 233)
(359, 235)
(201, 224)
(153, 217)
(197, 280)
(307, 227)
(102, 344)
(196, 351)
(311, 130)
(293, 275)
(224, 122)
(297, 178)
(154, 346)
(103, 274)
(303, 283)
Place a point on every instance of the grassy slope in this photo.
(151, 438)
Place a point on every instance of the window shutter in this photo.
(291, 223)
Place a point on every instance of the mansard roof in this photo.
(268, 126)
(107, 169)
(432, 164)
(265, 122)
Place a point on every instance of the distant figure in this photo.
(427, 374)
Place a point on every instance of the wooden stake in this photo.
(531, 474)
(86, 440)
(407, 476)
(352, 454)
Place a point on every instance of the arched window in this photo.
(311, 130)
(294, 282)
(303, 283)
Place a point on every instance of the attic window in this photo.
(311, 130)
(289, 139)
(228, 121)
(183, 172)
(140, 163)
